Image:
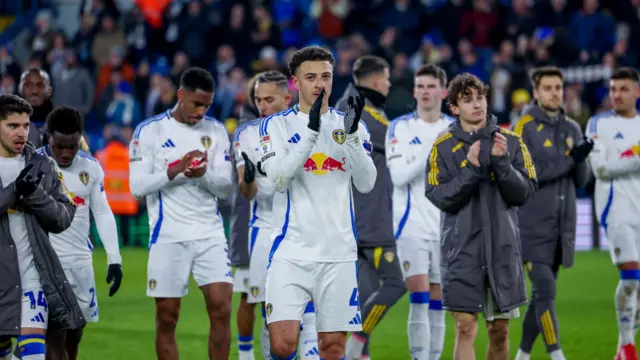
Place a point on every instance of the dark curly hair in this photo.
(65, 120)
(462, 86)
(309, 53)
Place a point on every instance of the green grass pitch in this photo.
(126, 327)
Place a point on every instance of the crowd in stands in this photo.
(123, 63)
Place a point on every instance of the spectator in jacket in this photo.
(548, 220)
(478, 174)
(33, 203)
(35, 87)
(74, 85)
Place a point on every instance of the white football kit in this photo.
(187, 234)
(84, 180)
(416, 221)
(314, 250)
(615, 161)
(34, 313)
(247, 139)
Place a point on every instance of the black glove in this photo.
(353, 113)
(26, 184)
(580, 152)
(249, 169)
(314, 113)
(114, 274)
(259, 167)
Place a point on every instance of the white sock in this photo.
(245, 348)
(308, 342)
(521, 355)
(265, 341)
(626, 306)
(437, 325)
(418, 326)
(355, 345)
(557, 355)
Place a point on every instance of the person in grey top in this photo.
(478, 174)
(548, 220)
(377, 254)
(35, 292)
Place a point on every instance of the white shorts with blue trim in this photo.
(333, 288)
(259, 248)
(624, 242)
(241, 280)
(83, 284)
(419, 257)
(35, 310)
(170, 264)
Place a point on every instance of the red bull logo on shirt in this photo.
(77, 200)
(320, 164)
(629, 153)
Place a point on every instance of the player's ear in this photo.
(180, 94)
(444, 93)
(454, 110)
(287, 99)
(295, 81)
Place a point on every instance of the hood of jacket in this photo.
(371, 96)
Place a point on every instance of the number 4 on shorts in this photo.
(355, 299)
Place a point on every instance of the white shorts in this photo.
(241, 280)
(259, 249)
(171, 263)
(419, 257)
(35, 310)
(490, 313)
(624, 242)
(83, 283)
(291, 284)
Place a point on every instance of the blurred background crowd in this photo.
(119, 61)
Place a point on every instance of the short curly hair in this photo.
(309, 53)
(462, 86)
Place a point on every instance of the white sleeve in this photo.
(219, 178)
(105, 221)
(363, 170)
(280, 164)
(403, 165)
(604, 167)
(142, 179)
(238, 139)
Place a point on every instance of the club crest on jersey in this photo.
(84, 177)
(406, 265)
(206, 141)
(255, 291)
(393, 145)
(265, 145)
(339, 136)
(268, 309)
(389, 256)
(152, 284)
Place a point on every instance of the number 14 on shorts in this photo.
(38, 299)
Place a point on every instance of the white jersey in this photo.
(181, 209)
(84, 180)
(10, 168)
(407, 145)
(615, 160)
(312, 173)
(247, 139)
